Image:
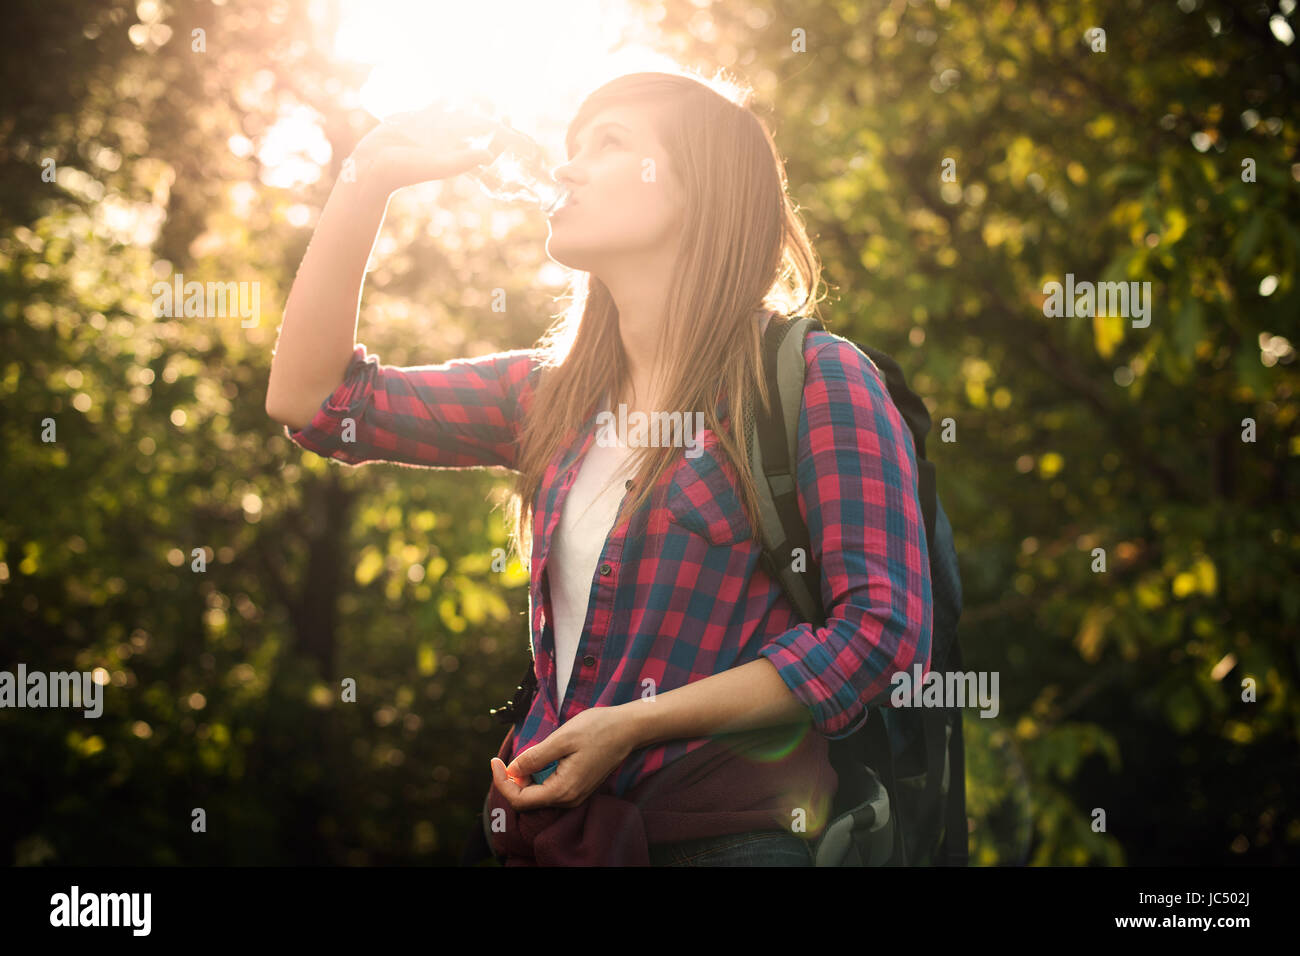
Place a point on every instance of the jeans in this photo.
(756, 848)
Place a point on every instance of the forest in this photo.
(1119, 469)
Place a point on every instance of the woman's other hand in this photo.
(588, 746)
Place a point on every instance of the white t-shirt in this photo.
(590, 508)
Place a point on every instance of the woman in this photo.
(683, 710)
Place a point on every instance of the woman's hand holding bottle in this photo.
(415, 147)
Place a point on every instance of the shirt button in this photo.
(628, 483)
(605, 569)
(588, 661)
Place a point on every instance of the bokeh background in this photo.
(1120, 690)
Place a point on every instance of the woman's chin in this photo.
(567, 256)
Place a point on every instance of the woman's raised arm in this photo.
(318, 333)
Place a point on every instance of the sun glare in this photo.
(527, 61)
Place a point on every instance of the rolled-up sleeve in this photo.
(465, 413)
(857, 479)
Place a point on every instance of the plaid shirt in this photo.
(680, 593)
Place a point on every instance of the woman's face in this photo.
(624, 201)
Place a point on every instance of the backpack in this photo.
(916, 814)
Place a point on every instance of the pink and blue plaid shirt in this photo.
(679, 593)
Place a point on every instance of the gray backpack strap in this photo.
(773, 451)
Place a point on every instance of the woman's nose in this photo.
(563, 174)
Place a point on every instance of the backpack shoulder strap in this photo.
(773, 451)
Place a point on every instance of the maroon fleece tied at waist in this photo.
(733, 784)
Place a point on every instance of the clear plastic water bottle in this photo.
(519, 171)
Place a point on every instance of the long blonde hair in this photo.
(743, 248)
